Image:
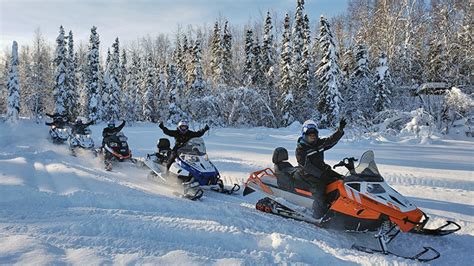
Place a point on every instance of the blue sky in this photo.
(130, 20)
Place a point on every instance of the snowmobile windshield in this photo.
(367, 167)
(194, 146)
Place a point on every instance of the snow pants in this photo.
(317, 186)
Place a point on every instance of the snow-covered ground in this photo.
(56, 208)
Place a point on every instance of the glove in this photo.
(161, 125)
(206, 128)
(342, 124)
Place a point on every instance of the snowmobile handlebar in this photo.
(347, 162)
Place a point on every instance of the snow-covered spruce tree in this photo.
(383, 83)
(103, 87)
(197, 79)
(466, 42)
(149, 95)
(201, 109)
(161, 97)
(92, 77)
(41, 75)
(134, 90)
(126, 103)
(248, 72)
(268, 53)
(298, 69)
(112, 91)
(216, 55)
(188, 65)
(71, 99)
(258, 78)
(176, 84)
(360, 88)
(330, 99)
(81, 77)
(26, 81)
(227, 75)
(285, 84)
(307, 96)
(13, 87)
(4, 70)
(60, 73)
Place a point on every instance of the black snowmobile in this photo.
(116, 149)
(59, 130)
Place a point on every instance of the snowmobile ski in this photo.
(440, 231)
(418, 257)
(387, 232)
(221, 188)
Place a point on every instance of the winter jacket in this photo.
(107, 132)
(321, 145)
(182, 138)
(79, 128)
(59, 120)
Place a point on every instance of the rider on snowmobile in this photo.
(181, 135)
(59, 120)
(79, 127)
(310, 142)
(111, 130)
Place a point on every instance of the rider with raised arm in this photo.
(181, 135)
(322, 174)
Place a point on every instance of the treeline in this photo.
(357, 65)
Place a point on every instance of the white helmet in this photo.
(183, 126)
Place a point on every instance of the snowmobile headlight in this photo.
(375, 188)
(113, 144)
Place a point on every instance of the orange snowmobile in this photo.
(362, 201)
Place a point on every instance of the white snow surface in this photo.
(56, 208)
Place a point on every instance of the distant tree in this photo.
(92, 78)
(149, 96)
(112, 91)
(216, 55)
(286, 83)
(60, 88)
(13, 87)
(330, 103)
(227, 68)
(383, 83)
(249, 58)
(71, 99)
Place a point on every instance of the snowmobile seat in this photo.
(164, 145)
(283, 169)
(164, 150)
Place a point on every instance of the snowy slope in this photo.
(55, 208)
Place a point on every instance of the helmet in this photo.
(111, 124)
(183, 126)
(309, 127)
